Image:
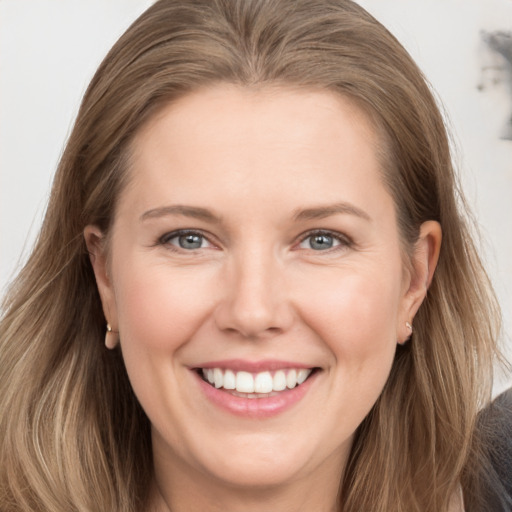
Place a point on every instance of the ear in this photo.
(95, 241)
(423, 264)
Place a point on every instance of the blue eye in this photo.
(320, 241)
(185, 240)
(190, 241)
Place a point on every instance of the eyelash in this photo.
(343, 240)
(165, 239)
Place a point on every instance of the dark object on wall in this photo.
(500, 44)
(493, 490)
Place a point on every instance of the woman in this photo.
(254, 201)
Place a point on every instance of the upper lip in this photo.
(254, 366)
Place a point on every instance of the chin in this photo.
(257, 474)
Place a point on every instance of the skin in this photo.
(257, 289)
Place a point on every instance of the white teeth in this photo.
(218, 378)
(244, 382)
(279, 381)
(263, 383)
(302, 375)
(291, 379)
(255, 385)
(229, 380)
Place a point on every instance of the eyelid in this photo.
(165, 238)
(343, 239)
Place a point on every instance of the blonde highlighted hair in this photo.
(72, 434)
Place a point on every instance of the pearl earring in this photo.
(111, 337)
(409, 328)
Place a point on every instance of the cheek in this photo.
(356, 317)
(159, 308)
(359, 298)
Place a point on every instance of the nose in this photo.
(255, 301)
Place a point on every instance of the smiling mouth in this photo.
(255, 385)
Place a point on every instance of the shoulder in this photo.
(495, 431)
(496, 419)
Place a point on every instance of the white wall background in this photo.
(49, 50)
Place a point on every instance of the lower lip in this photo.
(256, 407)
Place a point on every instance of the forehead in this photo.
(222, 103)
(268, 115)
(252, 141)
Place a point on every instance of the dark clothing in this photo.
(493, 490)
(499, 417)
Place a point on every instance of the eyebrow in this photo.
(194, 212)
(321, 212)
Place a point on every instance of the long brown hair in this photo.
(72, 434)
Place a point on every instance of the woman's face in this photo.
(256, 246)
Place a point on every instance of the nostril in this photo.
(252, 312)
